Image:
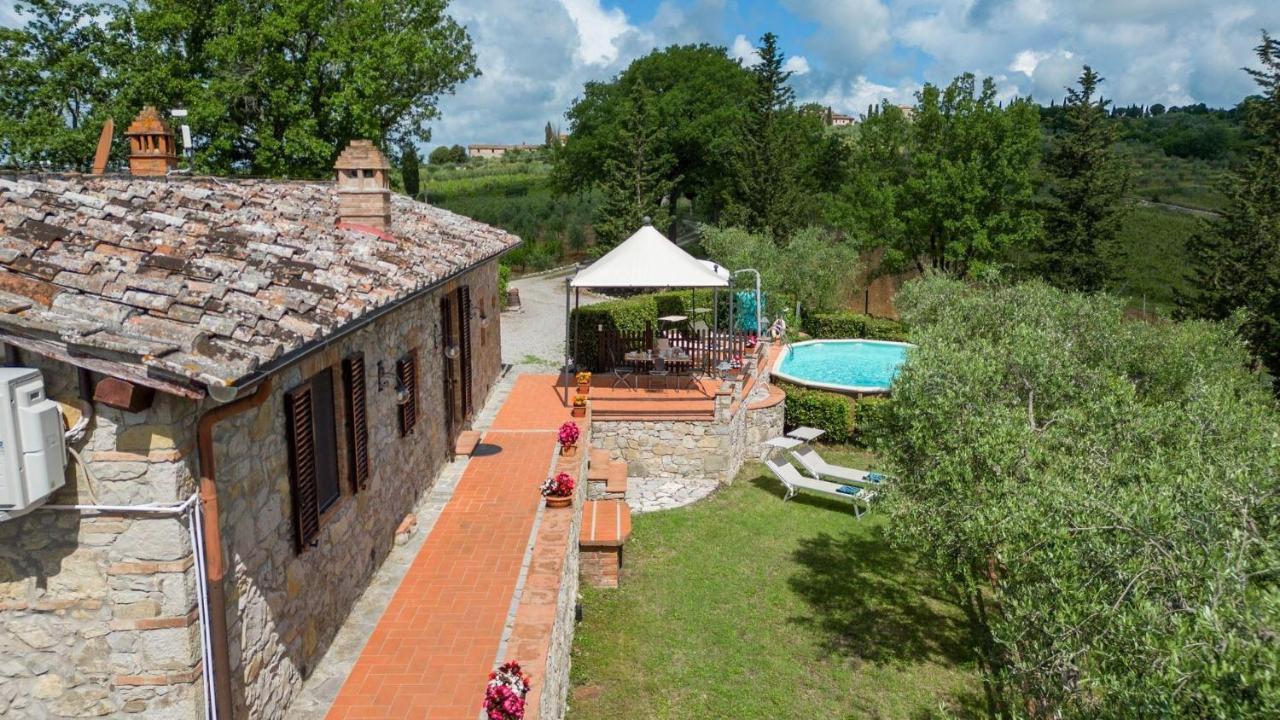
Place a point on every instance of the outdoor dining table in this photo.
(643, 359)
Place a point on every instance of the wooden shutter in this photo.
(357, 421)
(407, 374)
(302, 466)
(464, 354)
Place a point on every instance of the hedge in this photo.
(854, 325)
(830, 412)
(870, 415)
(842, 418)
(627, 315)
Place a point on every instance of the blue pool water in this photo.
(864, 365)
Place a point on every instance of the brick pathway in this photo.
(430, 654)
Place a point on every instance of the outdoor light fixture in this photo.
(402, 393)
(451, 352)
(382, 377)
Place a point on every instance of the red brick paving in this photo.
(431, 653)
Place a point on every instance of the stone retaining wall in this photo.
(713, 448)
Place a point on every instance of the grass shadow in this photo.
(870, 601)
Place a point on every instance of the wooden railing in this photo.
(706, 349)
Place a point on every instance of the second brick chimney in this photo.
(151, 147)
(364, 190)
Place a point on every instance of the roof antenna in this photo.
(187, 150)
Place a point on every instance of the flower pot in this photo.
(559, 502)
(579, 411)
(584, 389)
(569, 450)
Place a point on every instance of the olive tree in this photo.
(1105, 491)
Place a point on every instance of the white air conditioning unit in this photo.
(33, 454)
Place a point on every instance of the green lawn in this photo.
(744, 607)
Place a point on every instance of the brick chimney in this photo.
(151, 147)
(364, 190)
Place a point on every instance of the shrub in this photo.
(870, 420)
(830, 412)
(504, 278)
(854, 325)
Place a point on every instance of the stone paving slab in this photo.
(653, 494)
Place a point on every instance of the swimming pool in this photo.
(856, 366)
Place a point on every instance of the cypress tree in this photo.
(1236, 262)
(1088, 181)
(409, 163)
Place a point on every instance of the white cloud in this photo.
(598, 30)
(849, 31)
(797, 65)
(853, 97)
(744, 50)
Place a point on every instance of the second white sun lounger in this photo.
(810, 460)
(794, 481)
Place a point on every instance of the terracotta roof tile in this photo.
(202, 281)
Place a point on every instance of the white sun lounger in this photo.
(794, 481)
(810, 460)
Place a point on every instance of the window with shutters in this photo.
(407, 392)
(357, 422)
(313, 454)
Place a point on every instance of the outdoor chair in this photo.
(794, 481)
(810, 460)
(658, 370)
(622, 372)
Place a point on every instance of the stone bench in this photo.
(606, 526)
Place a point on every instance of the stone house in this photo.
(279, 369)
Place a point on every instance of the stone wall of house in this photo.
(284, 607)
(97, 612)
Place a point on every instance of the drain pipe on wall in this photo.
(214, 564)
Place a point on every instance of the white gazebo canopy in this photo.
(648, 259)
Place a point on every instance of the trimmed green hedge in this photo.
(843, 418)
(628, 315)
(854, 325)
(871, 420)
(830, 412)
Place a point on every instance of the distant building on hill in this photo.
(485, 150)
(835, 119)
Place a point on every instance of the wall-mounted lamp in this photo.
(479, 312)
(451, 352)
(383, 377)
(435, 336)
(402, 393)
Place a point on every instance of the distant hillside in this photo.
(515, 194)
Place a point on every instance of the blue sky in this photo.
(537, 54)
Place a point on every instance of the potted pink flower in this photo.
(504, 696)
(558, 490)
(568, 436)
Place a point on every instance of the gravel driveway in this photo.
(533, 337)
